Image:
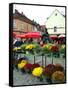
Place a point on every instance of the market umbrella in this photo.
(21, 36)
(33, 35)
(53, 37)
(61, 36)
(14, 34)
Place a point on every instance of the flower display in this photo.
(35, 65)
(37, 71)
(54, 49)
(58, 67)
(48, 70)
(58, 77)
(22, 64)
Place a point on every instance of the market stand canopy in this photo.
(28, 35)
(61, 36)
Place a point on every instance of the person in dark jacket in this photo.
(18, 43)
(45, 36)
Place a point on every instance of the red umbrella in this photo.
(33, 35)
(61, 36)
(21, 36)
(14, 34)
(29, 35)
(53, 37)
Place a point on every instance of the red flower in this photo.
(48, 70)
(54, 49)
(28, 66)
(35, 65)
(58, 67)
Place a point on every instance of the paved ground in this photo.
(27, 79)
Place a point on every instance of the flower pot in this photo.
(23, 71)
(48, 79)
(28, 71)
(40, 78)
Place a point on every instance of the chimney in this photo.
(22, 13)
(16, 11)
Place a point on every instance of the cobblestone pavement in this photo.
(20, 78)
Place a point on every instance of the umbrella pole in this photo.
(52, 58)
(45, 60)
(42, 60)
(34, 59)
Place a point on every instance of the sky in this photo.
(37, 13)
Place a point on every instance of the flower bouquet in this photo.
(58, 77)
(37, 72)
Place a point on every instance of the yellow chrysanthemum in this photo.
(16, 48)
(47, 46)
(23, 61)
(37, 71)
(22, 64)
(63, 46)
(30, 46)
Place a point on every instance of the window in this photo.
(14, 24)
(22, 26)
(55, 14)
(55, 29)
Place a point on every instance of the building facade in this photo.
(21, 24)
(55, 24)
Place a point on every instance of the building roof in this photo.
(22, 17)
(54, 12)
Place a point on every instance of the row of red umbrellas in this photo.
(34, 35)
